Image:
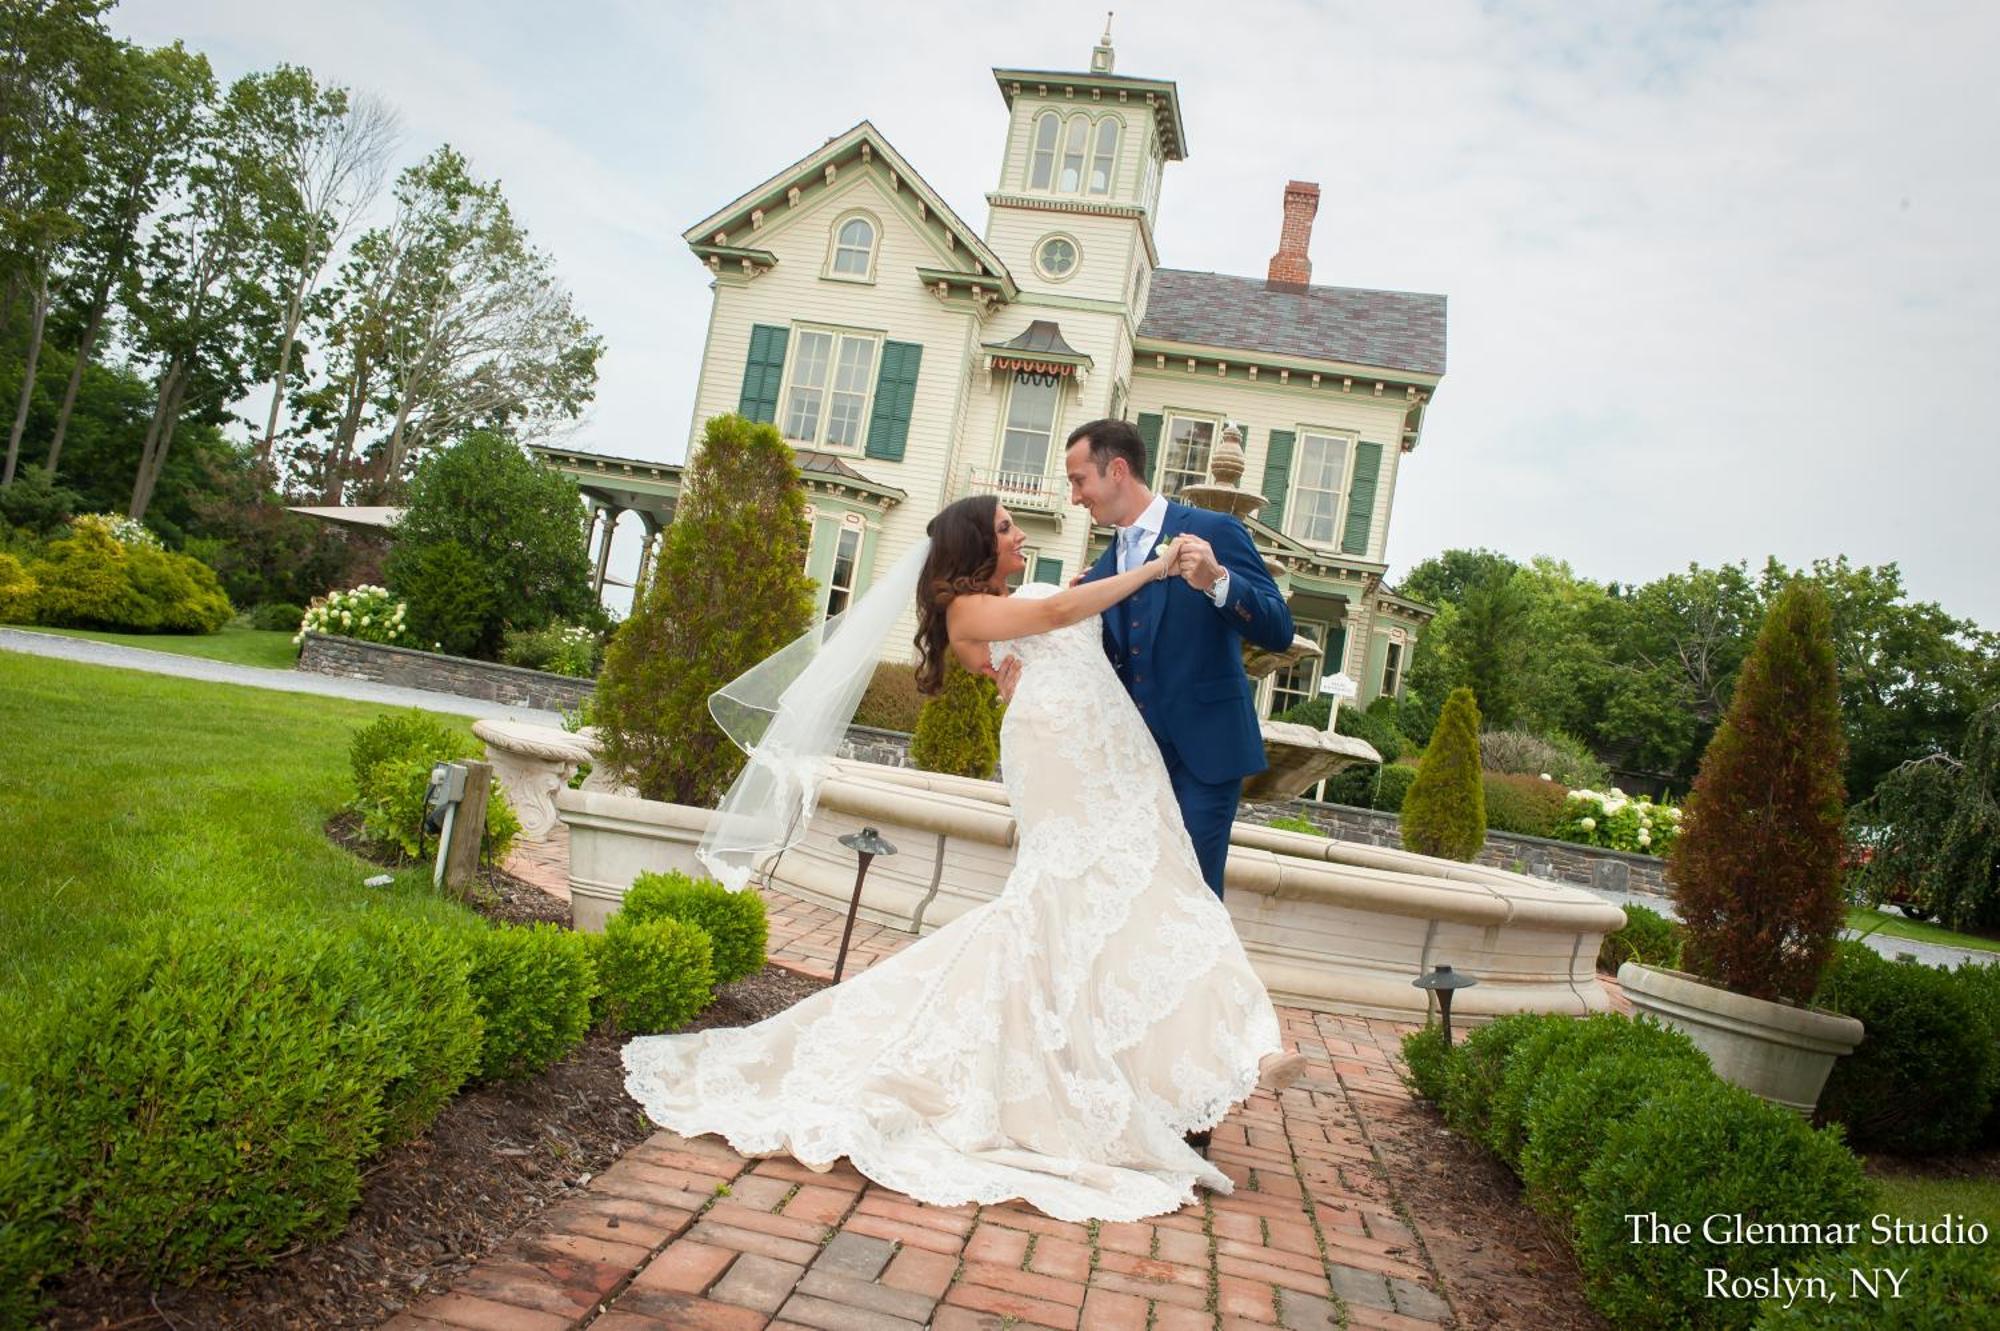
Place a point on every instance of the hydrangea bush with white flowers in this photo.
(1618, 821)
(366, 612)
(126, 531)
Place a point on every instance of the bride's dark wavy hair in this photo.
(964, 556)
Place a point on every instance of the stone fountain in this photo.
(1298, 756)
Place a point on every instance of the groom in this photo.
(1177, 644)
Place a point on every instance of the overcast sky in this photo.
(1715, 277)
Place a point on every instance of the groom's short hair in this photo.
(1111, 438)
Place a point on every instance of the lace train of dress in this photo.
(1052, 1045)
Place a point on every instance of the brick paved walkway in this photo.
(685, 1233)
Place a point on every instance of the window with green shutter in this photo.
(763, 373)
(895, 396)
(1361, 498)
(1149, 424)
(1048, 570)
(1277, 478)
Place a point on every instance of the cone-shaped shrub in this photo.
(958, 731)
(1756, 869)
(1444, 813)
(730, 589)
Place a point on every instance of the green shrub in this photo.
(892, 701)
(515, 541)
(1427, 1062)
(412, 734)
(413, 980)
(560, 649)
(958, 731)
(730, 589)
(277, 617)
(17, 592)
(734, 921)
(34, 1192)
(1444, 813)
(213, 1089)
(1695, 1149)
(451, 603)
(1563, 759)
(656, 974)
(35, 504)
(1570, 1115)
(1525, 805)
(1479, 1065)
(1922, 1080)
(1948, 1287)
(1375, 727)
(1649, 938)
(533, 988)
(91, 579)
(1392, 786)
(1981, 984)
(1756, 869)
(1294, 822)
(1520, 1078)
(391, 804)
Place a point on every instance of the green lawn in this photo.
(243, 646)
(127, 794)
(1918, 1198)
(1900, 926)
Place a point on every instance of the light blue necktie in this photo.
(1129, 541)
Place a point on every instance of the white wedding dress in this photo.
(1053, 1044)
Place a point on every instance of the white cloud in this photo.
(1719, 273)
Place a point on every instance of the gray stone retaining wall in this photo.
(351, 658)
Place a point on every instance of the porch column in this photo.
(611, 513)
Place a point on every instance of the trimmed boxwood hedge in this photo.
(737, 929)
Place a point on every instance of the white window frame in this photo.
(1079, 121)
(1021, 576)
(1076, 265)
(1116, 125)
(850, 525)
(1053, 118)
(1394, 664)
(1293, 486)
(834, 247)
(1317, 631)
(826, 389)
(1055, 429)
(1171, 415)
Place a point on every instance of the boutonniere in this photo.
(1160, 550)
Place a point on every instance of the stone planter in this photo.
(615, 838)
(1775, 1050)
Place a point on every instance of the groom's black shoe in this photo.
(1199, 1141)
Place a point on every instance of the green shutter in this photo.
(1149, 435)
(1277, 478)
(1334, 659)
(763, 372)
(895, 394)
(1048, 570)
(1361, 498)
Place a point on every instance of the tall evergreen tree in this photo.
(1444, 813)
(1756, 869)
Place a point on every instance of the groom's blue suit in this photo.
(1180, 657)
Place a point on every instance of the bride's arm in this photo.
(1000, 618)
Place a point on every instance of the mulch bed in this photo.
(495, 1158)
(1502, 1264)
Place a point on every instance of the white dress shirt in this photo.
(1149, 523)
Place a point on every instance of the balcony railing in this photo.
(1018, 489)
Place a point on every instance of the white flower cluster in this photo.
(126, 531)
(1645, 820)
(366, 612)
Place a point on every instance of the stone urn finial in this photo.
(1225, 463)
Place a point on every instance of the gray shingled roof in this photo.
(1395, 330)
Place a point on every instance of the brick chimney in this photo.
(1290, 264)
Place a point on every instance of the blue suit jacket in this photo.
(1180, 657)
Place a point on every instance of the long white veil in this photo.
(789, 712)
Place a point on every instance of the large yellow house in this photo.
(911, 360)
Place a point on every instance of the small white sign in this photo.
(1340, 686)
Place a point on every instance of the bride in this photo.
(1053, 1045)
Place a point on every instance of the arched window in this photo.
(1101, 162)
(1042, 170)
(1074, 146)
(854, 247)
